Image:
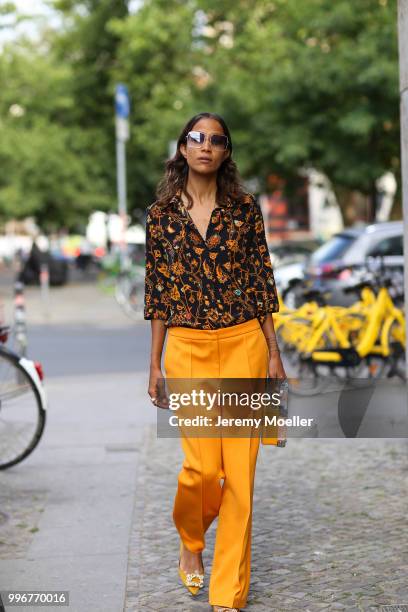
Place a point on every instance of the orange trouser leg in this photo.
(230, 574)
(199, 491)
(238, 353)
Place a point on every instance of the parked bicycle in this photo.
(363, 341)
(129, 291)
(126, 282)
(23, 404)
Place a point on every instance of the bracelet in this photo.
(272, 344)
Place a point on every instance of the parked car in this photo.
(292, 251)
(327, 268)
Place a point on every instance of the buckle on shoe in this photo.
(190, 581)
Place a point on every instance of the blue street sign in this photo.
(122, 103)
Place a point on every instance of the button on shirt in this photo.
(223, 280)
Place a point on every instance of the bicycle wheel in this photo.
(134, 305)
(130, 293)
(396, 360)
(308, 380)
(372, 367)
(22, 411)
(122, 288)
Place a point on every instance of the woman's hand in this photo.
(275, 367)
(157, 389)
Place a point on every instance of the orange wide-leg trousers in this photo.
(238, 351)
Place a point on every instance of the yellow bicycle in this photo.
(363, 341)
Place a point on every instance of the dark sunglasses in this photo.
(217, 141)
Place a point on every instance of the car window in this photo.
(333, 249)
(393, 245)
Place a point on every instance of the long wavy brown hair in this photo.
(229, 181)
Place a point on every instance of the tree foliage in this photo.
(300, 84)
(316, 85)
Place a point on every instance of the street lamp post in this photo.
(403, 62)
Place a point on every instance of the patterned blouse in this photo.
(223, 280)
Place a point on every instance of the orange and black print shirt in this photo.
(223, 280)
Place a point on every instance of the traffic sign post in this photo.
(122, 109)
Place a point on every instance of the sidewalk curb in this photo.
(132, 591)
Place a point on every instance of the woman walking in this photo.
(210, 285)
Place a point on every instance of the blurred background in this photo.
(310, 93)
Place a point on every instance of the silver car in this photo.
(327, 267)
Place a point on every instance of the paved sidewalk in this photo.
(73, 304)
(329, 528)
(66, 511)
(68, 507)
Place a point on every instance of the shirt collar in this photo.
(177, 202)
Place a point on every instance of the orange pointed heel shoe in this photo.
(193, 581)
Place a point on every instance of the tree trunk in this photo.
(355, 206)
(372, 203)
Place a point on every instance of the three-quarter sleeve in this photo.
(157, 274)
(262, 278)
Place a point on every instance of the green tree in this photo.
(48, 165)
(157, 59)
(8, 15)
(89, 46)
(311, 84)
(300, 84)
